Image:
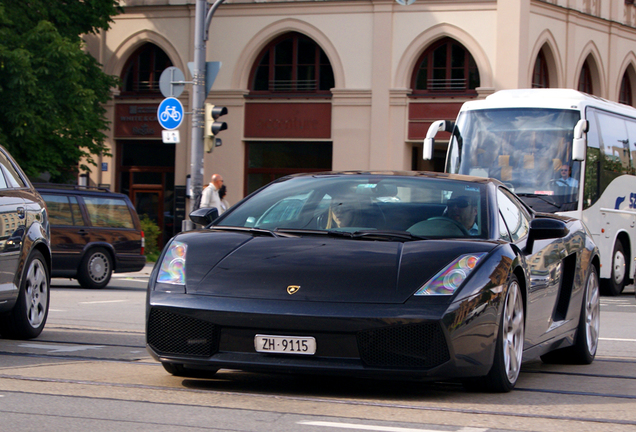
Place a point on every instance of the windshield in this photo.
(528, 149)
(395, 206)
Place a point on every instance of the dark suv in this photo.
(94, 232)
(25, 255)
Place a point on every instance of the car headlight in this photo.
(451, 277)
(172, 269)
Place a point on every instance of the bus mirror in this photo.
(579, 143)
(429, 141)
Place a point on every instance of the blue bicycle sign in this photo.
(170, 113)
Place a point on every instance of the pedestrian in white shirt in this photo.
(210, 196)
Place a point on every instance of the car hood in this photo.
(325, 269)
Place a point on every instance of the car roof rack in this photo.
(63, 186)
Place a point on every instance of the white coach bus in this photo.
(561, 151)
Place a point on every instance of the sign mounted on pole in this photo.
(172, 82)
(211, 71)
(170, 136)
(170, 113)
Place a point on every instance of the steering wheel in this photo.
(461, 227)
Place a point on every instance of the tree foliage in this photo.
(52, 91)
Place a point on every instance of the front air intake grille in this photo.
(412, 346)
(170, 333)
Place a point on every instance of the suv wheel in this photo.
(96, 269)
(29, 314)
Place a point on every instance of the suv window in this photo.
(63, 210)
(108, 212)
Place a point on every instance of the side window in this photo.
(9, 177)
(503, 230)
(63, 210)
(108, 212)
(608, 153)
(517, 220)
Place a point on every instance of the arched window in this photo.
(625, 95)
(540, 75)
(585, 79)
(143, 69)
(292, 63)
(445, 67)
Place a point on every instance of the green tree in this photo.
(53, 91)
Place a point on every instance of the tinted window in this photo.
(517, 220)
(421, 206)
(108, 212)
(63, 210)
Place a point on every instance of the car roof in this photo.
(422, 174)
(70, 189)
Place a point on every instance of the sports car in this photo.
(400, 275)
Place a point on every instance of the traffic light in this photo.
(213, 127)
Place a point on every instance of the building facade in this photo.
(338, 84)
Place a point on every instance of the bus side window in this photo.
(631, 136)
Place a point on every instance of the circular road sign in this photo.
(170, 113)
(172, 82)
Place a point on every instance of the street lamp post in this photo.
(203, 17)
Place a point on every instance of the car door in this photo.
(69, 233)
(545, 265)
(12, 226)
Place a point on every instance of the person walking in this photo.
(210, 196)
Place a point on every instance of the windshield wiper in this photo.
(386, 235)
(541, 197)
(254, 231)
(362, 234)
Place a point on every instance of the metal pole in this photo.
(202, 19)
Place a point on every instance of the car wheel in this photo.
(182, 371)
(29, 314)
(616, 283)
(96, 269)
(509, 346)
(584, 349)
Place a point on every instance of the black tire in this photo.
(181, 371)
(28, 317)
(506, 365)
(616, 283)
(95, 269)
(584, 349)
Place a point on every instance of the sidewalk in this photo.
(141, 274)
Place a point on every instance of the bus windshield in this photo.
(528, 149)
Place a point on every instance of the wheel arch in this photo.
(104, 245)
(623, 237)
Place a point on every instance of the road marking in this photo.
(56, 348)
(379, 428)
(617, 339)
(103, 301)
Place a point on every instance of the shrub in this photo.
(151, 232)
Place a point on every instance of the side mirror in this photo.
(429, 141)
(545, 228)
(204, 216)
(579, 142)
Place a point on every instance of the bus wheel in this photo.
(615, 284)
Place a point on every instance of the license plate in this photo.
(285, 344)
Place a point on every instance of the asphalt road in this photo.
(89, 370)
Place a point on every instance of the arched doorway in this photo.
(144, 164)
(281, 137)
(446, 70)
